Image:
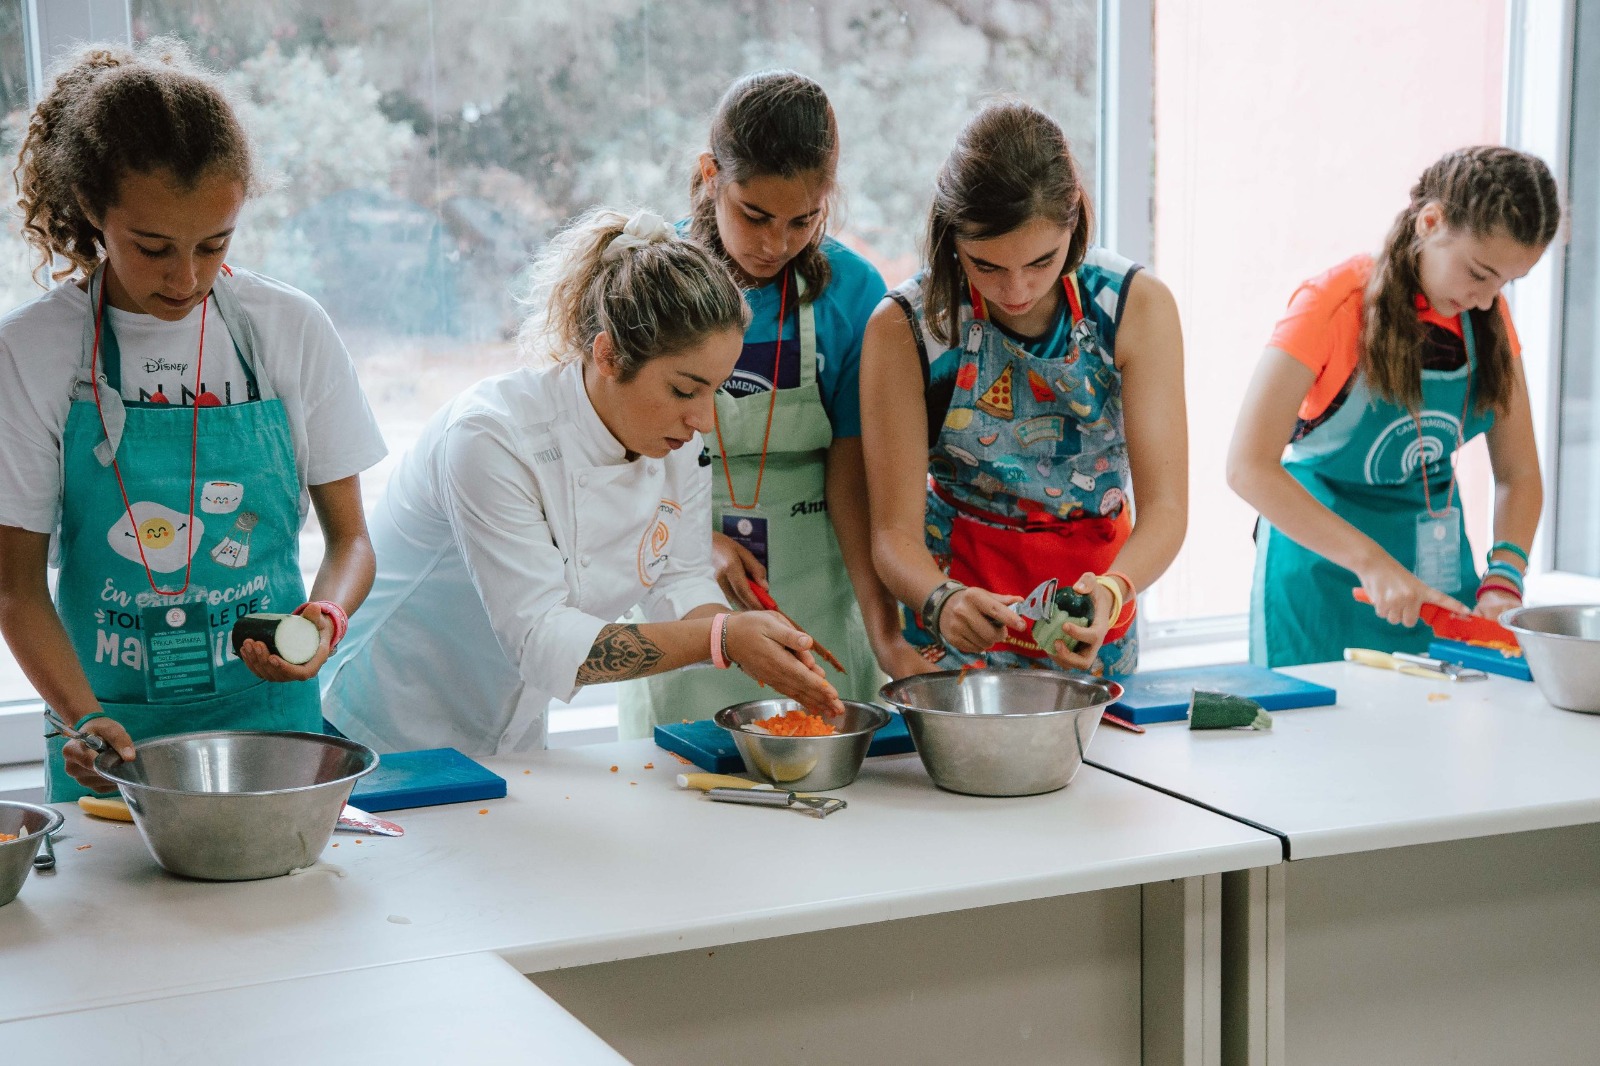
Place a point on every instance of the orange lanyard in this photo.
(772, 406)
(1449, 497)
(194, 445)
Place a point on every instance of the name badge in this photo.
(751, 532)
(1439, 550)
(177, 644)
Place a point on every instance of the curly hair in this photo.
(112, 111)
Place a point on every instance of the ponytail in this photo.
(649, 290)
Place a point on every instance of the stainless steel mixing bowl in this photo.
(1001, 732)
(29, 823)
(238, 806)
(1562, 646)
(804, 764)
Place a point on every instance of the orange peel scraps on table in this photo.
(795, 724)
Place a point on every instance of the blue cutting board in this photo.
(1163, 695)
(425, 779)
(1487, 659)
(711, 747)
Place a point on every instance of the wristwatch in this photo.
(933, 606)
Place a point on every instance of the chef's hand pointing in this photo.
(778, 655)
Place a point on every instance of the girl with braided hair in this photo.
(166, 425)
(1381, 370)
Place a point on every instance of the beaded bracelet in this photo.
(1507, 546)
(719, 642)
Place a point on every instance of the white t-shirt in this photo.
(41, 349)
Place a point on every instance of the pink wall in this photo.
(1287, 136)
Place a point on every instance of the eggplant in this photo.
(290, 637)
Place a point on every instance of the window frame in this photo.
(1538, 119)
(1124, 179)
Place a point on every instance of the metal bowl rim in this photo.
(1550, 607)
(54, 820)
(880, 716)
(1116, 693)
(110, 761)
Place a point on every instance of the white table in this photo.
(1444, 899)
(467, 1008)
(1014, 920)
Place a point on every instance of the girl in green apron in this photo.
(1382, 369)
(1051, 375)
(789, 515)
(165, 421)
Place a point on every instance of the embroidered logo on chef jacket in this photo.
(655, 547)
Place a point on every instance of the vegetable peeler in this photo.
(767, 796)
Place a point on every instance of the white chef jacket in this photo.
(509, 535)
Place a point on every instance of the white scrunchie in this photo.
(644, 228)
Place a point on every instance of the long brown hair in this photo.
(1011, 164)
(653, 295)
(1482, 190)
(111, 111)
(770, 123)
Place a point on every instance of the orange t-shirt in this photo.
(1322, 329)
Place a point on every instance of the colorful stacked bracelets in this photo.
(1502, 576)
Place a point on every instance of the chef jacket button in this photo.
(583, 560)
(583, 480)
(650, 468)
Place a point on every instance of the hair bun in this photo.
(643, 229)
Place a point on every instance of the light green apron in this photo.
(806, 573)
(245, 546)
(1363, 465)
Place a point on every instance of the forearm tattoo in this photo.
(619, 653)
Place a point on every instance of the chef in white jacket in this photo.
(542, 505)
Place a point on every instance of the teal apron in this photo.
(162, 662)
(1366, 464)
(1029, 479)
(805, 570)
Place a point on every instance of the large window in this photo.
(425, 150)
(1577, 466)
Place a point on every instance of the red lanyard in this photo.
(980, 309)
(194, 446)
(772, 405)
(1422, 458)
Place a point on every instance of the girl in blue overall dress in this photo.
(1050, 375)
(165, 419)
(1383, 368)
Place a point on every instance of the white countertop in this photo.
(1386, 766)
(581, 865)
(469, 1008)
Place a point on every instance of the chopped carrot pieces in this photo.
(795, 724)
(7, 836)
(483, 810)
(681, 759)
(649, 766)
(613, 769)
(85, 847)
